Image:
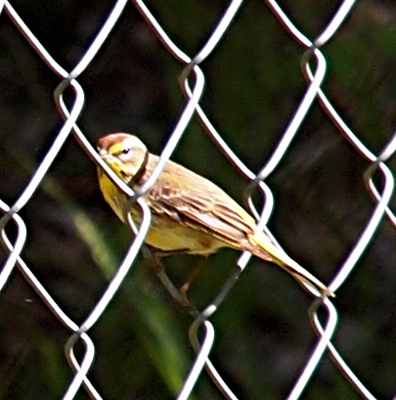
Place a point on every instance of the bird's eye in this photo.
(126, 150)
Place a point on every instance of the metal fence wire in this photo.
(70, 99)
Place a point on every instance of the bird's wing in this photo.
(201, 205)
(224, 219)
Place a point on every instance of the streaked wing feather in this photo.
(201, 213)
(230, 216)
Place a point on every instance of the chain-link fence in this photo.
(241, 80)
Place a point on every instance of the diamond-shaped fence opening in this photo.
(289, 108)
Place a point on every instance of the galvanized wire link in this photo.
(192, 82)
(16, 249)
(202, 356)
(53, 307)
(81, 369)
(320, 347)
(383, 201)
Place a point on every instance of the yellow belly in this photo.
(167, 235)
(164, 234)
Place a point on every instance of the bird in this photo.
(190, 214)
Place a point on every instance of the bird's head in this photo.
(125, 154)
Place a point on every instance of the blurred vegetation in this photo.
(254, 84)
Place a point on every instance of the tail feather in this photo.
(264, 249)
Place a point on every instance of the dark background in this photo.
(254, 84)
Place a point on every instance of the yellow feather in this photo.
(189, 213)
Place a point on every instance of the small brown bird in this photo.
(189, 213)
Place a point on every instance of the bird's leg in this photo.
(176, 295)
(191, 276)
(154, 260)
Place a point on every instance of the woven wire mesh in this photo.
(33, 180)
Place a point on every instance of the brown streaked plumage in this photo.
(190, 213)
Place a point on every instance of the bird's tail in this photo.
(264, 249)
